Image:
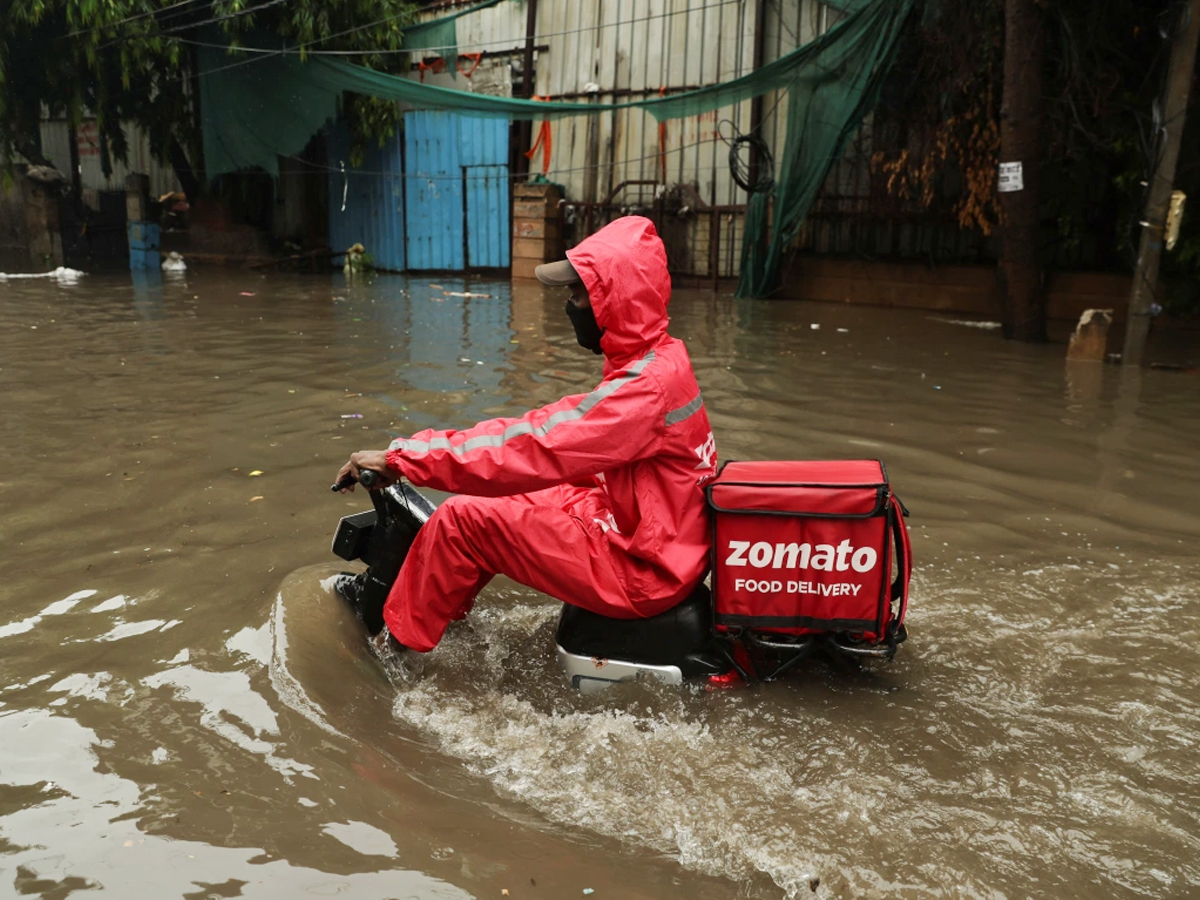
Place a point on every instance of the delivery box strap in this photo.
(900, 586)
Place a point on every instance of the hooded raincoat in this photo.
(596, 499)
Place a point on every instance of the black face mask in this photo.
(587, 331)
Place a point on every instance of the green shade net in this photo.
(259, 110)
(442, 34)
(826, 103)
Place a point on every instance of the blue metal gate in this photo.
(457, 191)
(442, 205)
(434, 182)
(366, 205)
(484, 157)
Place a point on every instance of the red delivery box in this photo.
(809, 547)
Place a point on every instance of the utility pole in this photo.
(1145, 275)
(1022, 297)
(525, 129)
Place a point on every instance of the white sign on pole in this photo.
(1011, 177)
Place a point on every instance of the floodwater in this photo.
(185, 711)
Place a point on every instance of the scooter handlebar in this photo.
(368, 478)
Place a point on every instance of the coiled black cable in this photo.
(753, 171)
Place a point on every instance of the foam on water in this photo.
(62, 275)
(756, 783)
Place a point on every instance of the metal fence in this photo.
(602, 51)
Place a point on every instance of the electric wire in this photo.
(306, 44)
(134, 18)
(190, 25)
(458, 177)
(538, 38)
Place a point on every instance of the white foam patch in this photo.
(37, 679)
(254, 643)
(89, 687)
(366, 839)
(132, 629)
(117, 602)
(21, 627)
(58, 607)
(304, 801)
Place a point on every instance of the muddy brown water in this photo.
(186, 712)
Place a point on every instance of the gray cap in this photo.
(557, 274)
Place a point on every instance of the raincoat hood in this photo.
(624, 268)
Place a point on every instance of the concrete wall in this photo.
(14, 237)
(968, 290)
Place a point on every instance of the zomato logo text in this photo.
(824, 557)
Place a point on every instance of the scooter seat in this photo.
(675, 637)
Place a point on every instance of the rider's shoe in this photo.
(386, 647)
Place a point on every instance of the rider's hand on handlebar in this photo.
(375, 460)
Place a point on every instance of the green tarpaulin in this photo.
(270, 107)
(442, 34)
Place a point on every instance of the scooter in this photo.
(593, 651)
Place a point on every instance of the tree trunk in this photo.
(184, 171)
(1023, 299)
(1145, 276)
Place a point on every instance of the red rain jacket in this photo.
(639, 446)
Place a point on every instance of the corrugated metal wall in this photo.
(483, 148)
(633, 49)
(457, 199)
(434, 190)
(366, 206)
(56, 144)
(606, 50)
(436, 199)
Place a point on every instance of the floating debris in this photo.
(62, 275)
(969, 323)
(174, 263)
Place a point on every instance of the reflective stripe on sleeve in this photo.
(522, 428)
(678, 415)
